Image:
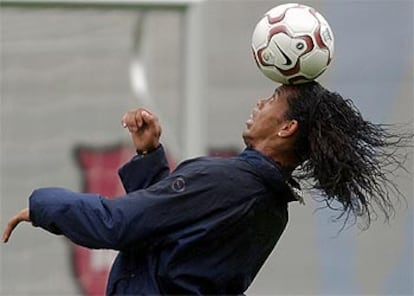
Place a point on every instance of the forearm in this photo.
(143, 171)
(83, 218)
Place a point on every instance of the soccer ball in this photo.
(292, 44)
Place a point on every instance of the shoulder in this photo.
(228, 178)
(220, 168)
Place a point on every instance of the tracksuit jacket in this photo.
(204, 229)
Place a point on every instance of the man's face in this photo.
(266, 119)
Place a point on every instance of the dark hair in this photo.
(350, 160)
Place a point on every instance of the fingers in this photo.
(138, 120)
(135, 119)
(23, 215)
(147, 117)
(151, 121)
(144, 127)
(8, 230)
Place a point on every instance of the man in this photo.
(208, 227)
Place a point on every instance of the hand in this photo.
(23, 215)
(144, 128)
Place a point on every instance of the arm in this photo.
(143, 171)
(93, 221)
(150, 164)
(192, 195)
(138, 219)
(145, 133)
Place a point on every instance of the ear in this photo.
(289, 128)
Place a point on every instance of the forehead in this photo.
(284, 91)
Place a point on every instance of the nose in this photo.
(260, 103)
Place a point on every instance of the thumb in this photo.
(149, 119)
(146, 116)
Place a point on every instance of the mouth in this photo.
(250, 120)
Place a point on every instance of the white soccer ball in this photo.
(292, 44)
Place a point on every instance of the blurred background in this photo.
(69, 72)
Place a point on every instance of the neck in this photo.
(288, 161)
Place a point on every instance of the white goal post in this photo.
(193, 130)
(153, 4)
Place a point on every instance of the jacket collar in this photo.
(272, 173)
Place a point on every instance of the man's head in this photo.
(339, 152)
(278, 125)
(268, 129)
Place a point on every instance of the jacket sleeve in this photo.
(136, 219)
(143, 171)
(89, 220)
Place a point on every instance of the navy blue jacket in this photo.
(206, 228)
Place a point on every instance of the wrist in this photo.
(147, 150)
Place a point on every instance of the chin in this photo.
(246, 139)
